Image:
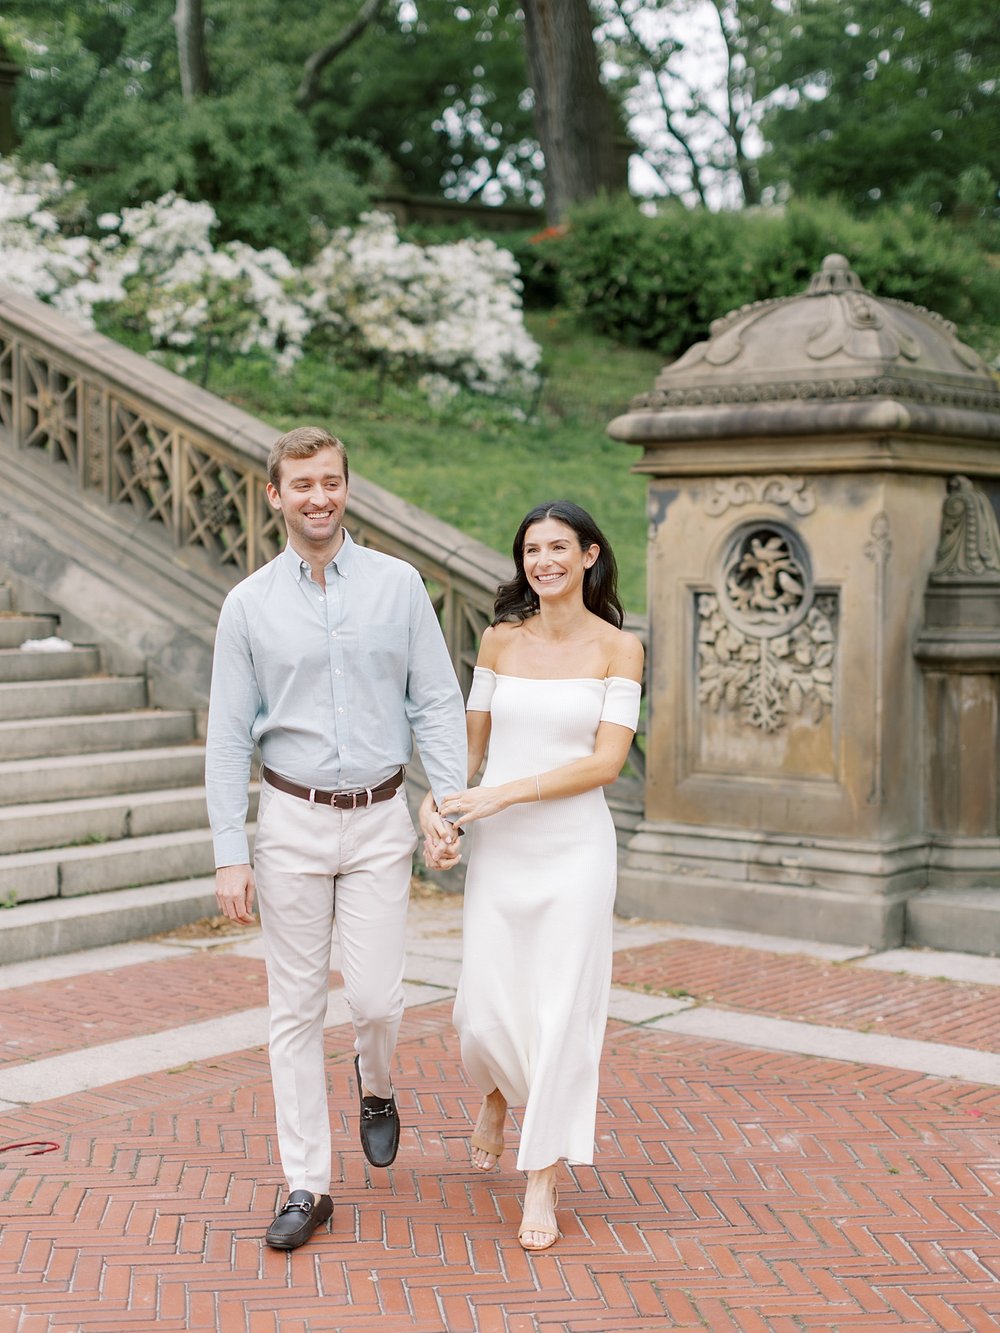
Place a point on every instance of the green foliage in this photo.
(659, 281)
(107, 110)
(871, 101)
(539, 266)
(892, 100)
(249, 154)
(101, 100)
(441, 95)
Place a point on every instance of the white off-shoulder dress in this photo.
(532, 1001)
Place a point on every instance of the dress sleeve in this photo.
(484, 682)
(621, 702)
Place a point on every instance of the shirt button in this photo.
(340, 710)
(333, 634)
(338, 672)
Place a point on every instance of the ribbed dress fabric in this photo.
(532, 1001)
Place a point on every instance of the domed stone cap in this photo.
(833, 341)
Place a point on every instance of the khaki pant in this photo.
(312, 864)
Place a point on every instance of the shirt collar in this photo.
(341, 562)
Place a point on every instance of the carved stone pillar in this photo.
(959, 651)
(798, 462)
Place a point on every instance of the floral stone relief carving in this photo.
(793, 492)
(766, 639)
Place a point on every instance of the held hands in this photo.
(234, 892)
(440, 839)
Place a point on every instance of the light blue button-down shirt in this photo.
(332, 684)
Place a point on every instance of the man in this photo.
(326, 658)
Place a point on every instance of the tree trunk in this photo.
(189, 21)
(573, 116)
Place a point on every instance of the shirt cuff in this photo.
(231, 849)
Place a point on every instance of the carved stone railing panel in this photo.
(188, 470)
(267, 531)
(468, 626)
(49, 409)
(215, 502)
(96, 433)
(143, 464)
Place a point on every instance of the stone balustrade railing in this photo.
(183, 465)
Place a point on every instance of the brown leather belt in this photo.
(340, 800)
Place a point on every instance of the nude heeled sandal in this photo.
(486, 1145)
(552, 1236)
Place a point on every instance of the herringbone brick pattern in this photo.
(811, 990)
(734, 1189)
(99, 1007)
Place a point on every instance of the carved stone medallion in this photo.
(766, 639)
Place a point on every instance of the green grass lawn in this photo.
(472, 462)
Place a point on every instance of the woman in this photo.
(555, 697)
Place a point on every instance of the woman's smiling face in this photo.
(554, 562)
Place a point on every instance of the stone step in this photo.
(66, 925)
(15, 628)
(101, 819)
(16, 664)
(43, 737)
(65, 777)
(56, 698)
(67, 872)
(958, 920)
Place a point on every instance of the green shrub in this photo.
(659, 281)
(539, 267)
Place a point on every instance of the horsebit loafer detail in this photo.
(298, 1220)
(379, 1125)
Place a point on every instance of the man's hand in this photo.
(441, 855)
(234, 892)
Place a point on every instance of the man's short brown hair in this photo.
(302, 442)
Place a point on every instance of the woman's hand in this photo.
(465, 807)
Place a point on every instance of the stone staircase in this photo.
(103, 831)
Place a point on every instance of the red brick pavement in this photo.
(93, 1008)
(735, 1189)
(812, 990)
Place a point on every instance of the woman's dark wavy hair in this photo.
(516, 600)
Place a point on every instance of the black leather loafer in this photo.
(298, 1220)
(379, 1125)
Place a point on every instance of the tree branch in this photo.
(308, 91)
(745, 170)
(658, 69)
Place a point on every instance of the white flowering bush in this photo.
(187, 293)
(451, 314)
(452, 309)
(35, 257)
